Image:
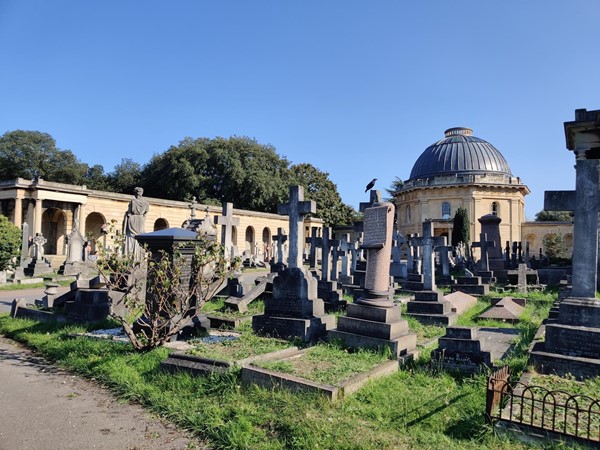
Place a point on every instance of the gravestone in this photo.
(169, 243)
(524, 279)
(227, 222)
(506, 309)
(312, 241)
(572, 341)
(460, 301)
(24, 259)
(444, 278)
(490, 226)
(374, 320)
(75, 263)
(280, 238)
(398, 269)
(295, 309)
(328, 289)
(487, 275)
(429, 305)
(471, 350)
(38, 265)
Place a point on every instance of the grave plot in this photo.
(222, 316)
(222, 350)
(328, 369)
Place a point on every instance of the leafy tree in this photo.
(237, 169)
(125, 177)
(95, 178)
(555, 246)
(10, 242)
(323, 191)
(175, 289)
(396, 184)
(461, 231)
(553, 216)
(31, 154)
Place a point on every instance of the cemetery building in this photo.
(462, 170)
(55, 209)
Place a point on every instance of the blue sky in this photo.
(357, 88)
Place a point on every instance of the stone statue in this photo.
(133, 223)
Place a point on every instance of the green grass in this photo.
(217, 307)
(248, 344)
(418, 407)
(327, 363)
(20, 287)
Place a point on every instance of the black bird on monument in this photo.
(371, 184)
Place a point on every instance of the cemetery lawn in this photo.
(217, 307)
(327, 363)
(418, 407)
(244, 345)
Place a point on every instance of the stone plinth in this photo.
(414, 282)
(430, 307)
(375, 327)
(294, 309)
(471, 285)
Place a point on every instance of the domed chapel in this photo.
(461, 170)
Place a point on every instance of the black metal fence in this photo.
(575, 416)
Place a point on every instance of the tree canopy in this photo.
(460, 230)
(32, 154)
(553, 216)
(396, 184)
(323, 191)
(10, 242)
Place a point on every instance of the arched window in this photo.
(446, 210)
(495, 208)
(408, 214)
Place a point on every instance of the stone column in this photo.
(37, 217)
(18, 212)
(379, 224)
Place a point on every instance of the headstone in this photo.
(397, 267)
(328, 289)
(374, 320)
(490, 226)
(75, 263)
(427, 244)
(294, 309)
(572, 341)
(38, 265)
(487, 275)
(227, 222)
(24, 260)
(460, 301)
(312, 256)
(505, 309)
(280, 238)
(445, 278)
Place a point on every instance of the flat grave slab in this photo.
(461, 301)
(506, 309)
(296, 372)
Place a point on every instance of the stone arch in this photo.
(569, 242)
(266, 243)
(249, 240)
(161, 224)
(54, 229)
(95, 223)
(532, 239)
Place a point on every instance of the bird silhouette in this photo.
(371, 184)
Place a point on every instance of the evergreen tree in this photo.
(461, 230)
(10, 242)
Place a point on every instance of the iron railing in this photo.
(557, 411)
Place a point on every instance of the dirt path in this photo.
(42, 407)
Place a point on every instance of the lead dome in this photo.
(459, 152)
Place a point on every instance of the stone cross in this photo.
(483, 244)
(375, 197)
(280, 238)
(427, 243)
(227, 222)
(312, 240)
(296, 209)
(38, 249)
(344, 250)
(522, 278)
(335, 256)
(327, 244)
(193, 207)
(444, 259)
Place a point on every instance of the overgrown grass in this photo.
(246, 345)
(21, 287)
(217, 307)
(328, 363)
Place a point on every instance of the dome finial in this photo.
(458, 131)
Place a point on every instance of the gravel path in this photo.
(43, 407)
